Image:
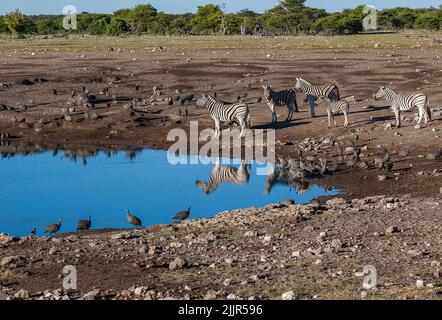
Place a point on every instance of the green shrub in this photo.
(49, 25)
(430, 20)
(17, 23)
(208, 19)
(116, 27)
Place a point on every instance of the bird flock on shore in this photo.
(84, 225)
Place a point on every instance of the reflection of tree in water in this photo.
(225, 174)
(280, 176)
(72, 153)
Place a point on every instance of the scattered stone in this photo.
(289, 295)
(13, 261)
(210, 295)
(392, 229)
(419, 283)
(177, 263)
(22, 294)
(403, 153)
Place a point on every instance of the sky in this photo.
(181, 6)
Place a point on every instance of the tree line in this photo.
(289, 17)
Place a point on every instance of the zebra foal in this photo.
(330, 91)
(335, 106)
(404, 102)
(280, 98)
(230, 113)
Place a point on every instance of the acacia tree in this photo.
(141, 17)
(16, 22)
(208, 19)
(292, 5)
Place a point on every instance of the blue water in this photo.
(39, 189)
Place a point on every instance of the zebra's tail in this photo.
(427, 109)
(249, 124)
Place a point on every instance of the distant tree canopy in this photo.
(288, 17)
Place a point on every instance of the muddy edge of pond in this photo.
(302, 251)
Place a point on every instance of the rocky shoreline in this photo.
(281, 251)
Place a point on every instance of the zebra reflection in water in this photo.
(282, 176)
(225, 174)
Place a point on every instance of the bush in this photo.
(348, 22)
(49, 25)
(17, 23)
(430, 20)
(116, 27)
(208, 19)
(3, 27)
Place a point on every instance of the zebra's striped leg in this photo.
(290, 110)
(397, 114)
(272, 110)
(421, 115)
(346, 119)
(217, 128)
(243, 124)
(329, 116)
(312, 104)
(426, 116)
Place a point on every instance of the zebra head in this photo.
(322, 100)
(298, 84)
(381, 93)
(202, 102)
(204, 186)
(267, 90)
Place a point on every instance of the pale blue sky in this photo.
(180, 6)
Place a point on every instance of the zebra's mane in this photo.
(305, 81)
(390, 92)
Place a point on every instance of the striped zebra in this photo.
(225, 174)
(330, 107)
(330, 91)
(403, 102)
(230, 113)
(280, 98)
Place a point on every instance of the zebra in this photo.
(230, 113)
(280, 98)
(225, 174)
(329, 90)
(404, 102)
(313, 92)
(330, 107)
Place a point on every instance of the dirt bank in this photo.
(318, 252)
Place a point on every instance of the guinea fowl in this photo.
(182, 215)
(357, 153)
(385, 161)
(53, 228)
(84, 224)
(132, 219)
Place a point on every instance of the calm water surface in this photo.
(39, 189)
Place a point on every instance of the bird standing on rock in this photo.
(182, 215)
(132, 219)
(53, 228)
(33, 232)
